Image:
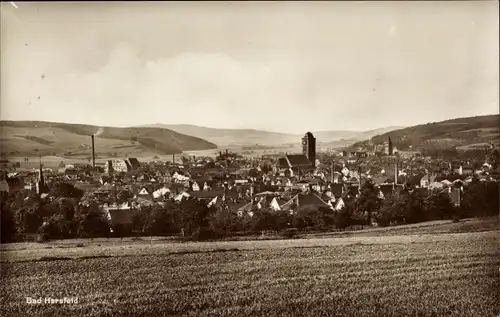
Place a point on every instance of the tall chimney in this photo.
(173, 158)
(396, 174)
(93, 151)
(332, 171)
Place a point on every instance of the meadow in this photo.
(430, 274)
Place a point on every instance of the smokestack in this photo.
(331, 174)
(93, 152)
(173, 158)
(396, 174)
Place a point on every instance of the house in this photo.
(444, 168)
(71, 173)
(358, 154)
(120, 215)
(195, 187)
(337, 190)
(455, 196)
(209, 194)
(342, 202)
(426, 180)
(302, 185)
(179, 178)
(446, 183)
(17, 183)
(467, 169)
(298, 163)
(61, 168)
(87, 187)
(457, 168)
(386, 189)
(436, 186)
(144, 192)
(305, 199)
(182, 196)
(486, 166)
(161, 192)
(134, 163)
(117, 166)
(4, 186)
(328, 196)
(337, 177)
(263, 200)
(345, 171)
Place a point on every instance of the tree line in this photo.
(70, 215)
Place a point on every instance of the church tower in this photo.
(309, 148)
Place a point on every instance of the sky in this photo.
(278, 66)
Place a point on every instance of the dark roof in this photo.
(231, 193)
(87, 186)
(422, 191)
(337, 189)
(353, 190)
(283, 163)
(298, 160)
(207, 193)
(386, 189)
(309, 199)
(134, 162)
(398, 188)
(129, 167)
(237, 205)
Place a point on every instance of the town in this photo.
(250, 158)
(236, 195)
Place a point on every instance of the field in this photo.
(420, 274)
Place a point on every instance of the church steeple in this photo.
(41, 180)
(41, 188)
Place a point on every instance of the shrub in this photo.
(91, 221)
(56, 227)
(8, 224)
(343, 218)
(290, 233)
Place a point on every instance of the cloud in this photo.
(197, 88)
(323, 70)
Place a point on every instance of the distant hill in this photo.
(23, 138)
(351, 136)
(225, 137)
(462, 133)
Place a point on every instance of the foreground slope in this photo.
(414, 275)
(51, 138)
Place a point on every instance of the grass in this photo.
(454, 274)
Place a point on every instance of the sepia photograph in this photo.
(250, 158)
